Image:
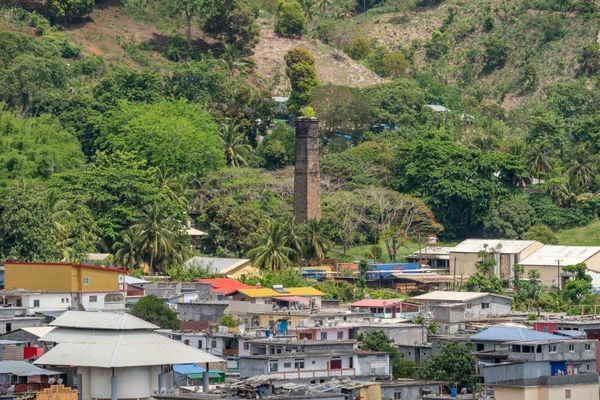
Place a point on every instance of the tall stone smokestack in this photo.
(307, 181)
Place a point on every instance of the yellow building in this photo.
(580, 389)
(62, 277)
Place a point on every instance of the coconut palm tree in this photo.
(581, 171)
(127, 252)
(234, 144)
(161, 239)
(539, 160)
(323, 5)
(273, 252)
(315, 241)
(170, 184)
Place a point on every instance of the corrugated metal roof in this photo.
(568, 255)
(423, 277)
(38, 331)
(500, 246)
(451, 296)
(216, 264)
(433, 250)
(23, 368)
(101, 320)
(109, 348)
(266, 292)
(510, 334)
(376, 303)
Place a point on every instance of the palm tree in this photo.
(161, 239)
(172, 186)
(582, 170)
(127, 252)
(234, 143)
(60, 218)
(234, 59)
(308, 7)
(315, 241)
(539, 160)
(273, 252)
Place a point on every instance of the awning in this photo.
(23, 368)
(292, 299)
(187, 369)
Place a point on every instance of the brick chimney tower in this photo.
(307, 181)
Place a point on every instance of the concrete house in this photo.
(507, 254)
(545, 369)
(550, 260)
(386, 308)
(62, 286)
(451, 310)
(230, 267)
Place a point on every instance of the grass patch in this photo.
(588, 235)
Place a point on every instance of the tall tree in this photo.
(234, 144)
(485, 279)
(152, 309)
(161, 239)
(315, 241)
(455, 363)
(273, 253)
(127, 251)
(302, 73)
(189, 9)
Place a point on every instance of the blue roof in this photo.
(509, 334)
(186, 369)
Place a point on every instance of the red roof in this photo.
(376, 303)
(110, 269)
(225, 285)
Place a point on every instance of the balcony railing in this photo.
(114, 305)
(315, 373)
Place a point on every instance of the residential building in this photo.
(453, 310)
(175, 292)
(550, 260)
(386, 308)
(410, 389)
(269, 296)
(23, 377)
(506, 253)
(116, 355)
(317, 365)
(198, 310)
(545, 369)
(223, 287)
(230, 267)
(62, 286)
(416, 353)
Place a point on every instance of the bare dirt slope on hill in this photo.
(333, 66)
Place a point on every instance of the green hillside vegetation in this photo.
(113, 141)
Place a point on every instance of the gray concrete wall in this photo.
(401, 335)
(210, 312)
(507, 372)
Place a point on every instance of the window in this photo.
(213, 344)
(480, 347)
(279, 350)
(86, 280)
(186, 341)
(298, 364)
(62, 300)
(340, 335)
(588, 347)
(468, 306)
(93, 299)
(66, 300)
(567, 393)
(485, 306)
(552, 348)
(36, 303)
(199, 344)
(287, 365)
(8, 327)
(571, 347)
(398, 396)
(323, 335)
(516, 348)
(246, 346)
(273, 366)
(546, 329)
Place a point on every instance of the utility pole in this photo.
(558, 273)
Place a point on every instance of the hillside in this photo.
(546, 41)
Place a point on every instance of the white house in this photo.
(117, 355)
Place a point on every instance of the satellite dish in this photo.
(59, 381)
(51, 380)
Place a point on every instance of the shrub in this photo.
(325, 31)
(358, 47)
(589, 59)
(290, 19)
(68, 10)
(488, 23)
(552, 27)
(495, 53)
(438, 45)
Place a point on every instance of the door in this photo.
(335, 364)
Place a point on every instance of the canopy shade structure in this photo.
(101, 320)
(117, 349)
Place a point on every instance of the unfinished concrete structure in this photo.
(307, 181)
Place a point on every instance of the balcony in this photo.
(315, 373)
(114, 305)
